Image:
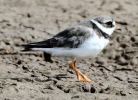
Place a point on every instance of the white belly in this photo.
(92, 47)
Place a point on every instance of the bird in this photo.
(83, 40)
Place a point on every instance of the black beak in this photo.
(119, 29)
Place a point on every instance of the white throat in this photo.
(108, 31)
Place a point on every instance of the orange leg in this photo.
(83, 78)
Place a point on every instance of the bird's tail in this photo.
(27, 47)
(31, 46)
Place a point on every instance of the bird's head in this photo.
(106, 24)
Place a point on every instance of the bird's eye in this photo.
(110, 24)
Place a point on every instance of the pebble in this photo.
(86, 87)
(134, 61)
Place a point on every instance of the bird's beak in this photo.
(117, 27)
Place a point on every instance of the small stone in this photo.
(86, 87)
(122, 61)
(19, 62)
(111, 68)
(134, 61)
(101, 61)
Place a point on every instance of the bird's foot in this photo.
(81, 77)
(84, 79)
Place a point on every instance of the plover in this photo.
(83, 40)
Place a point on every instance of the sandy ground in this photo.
(27, 76)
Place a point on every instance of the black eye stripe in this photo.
(110, 24)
